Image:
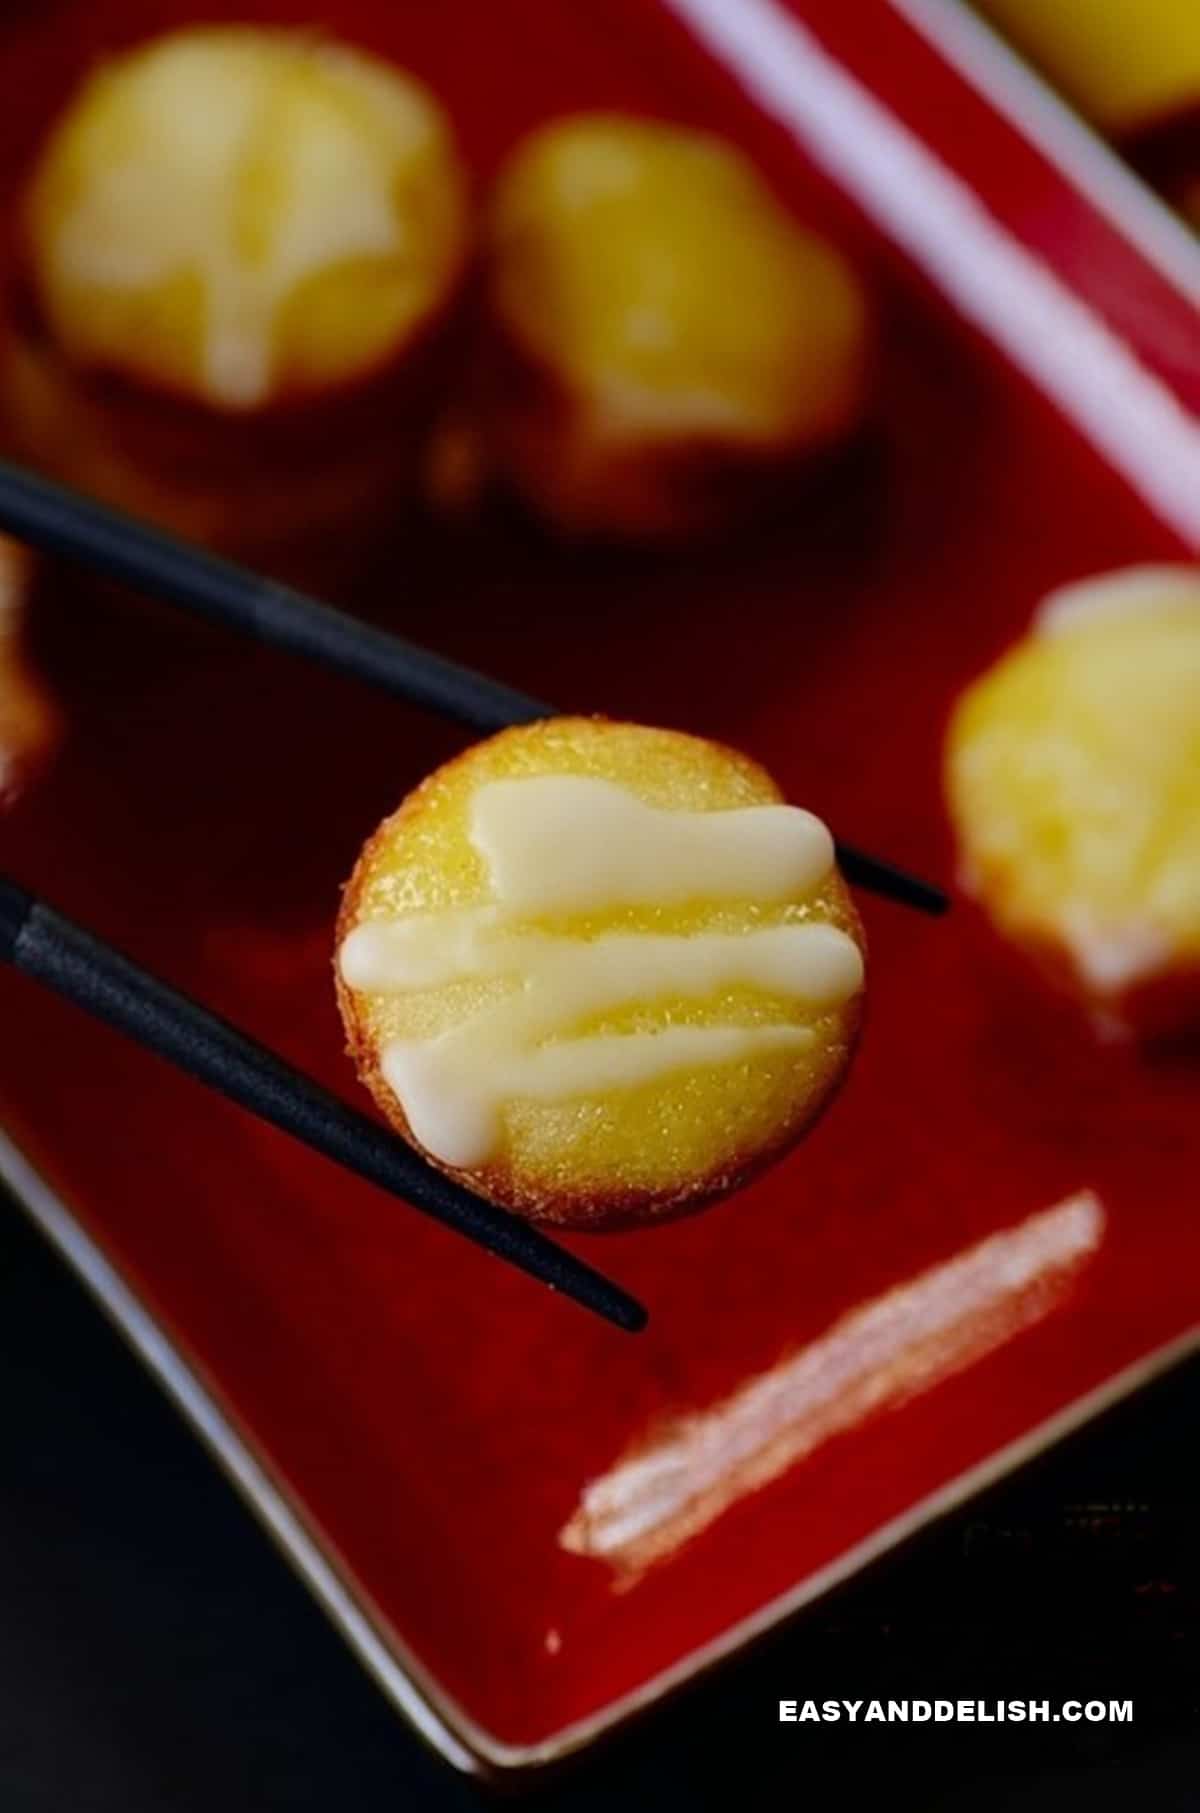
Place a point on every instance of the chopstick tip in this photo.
(629, 1314)
(891, 882)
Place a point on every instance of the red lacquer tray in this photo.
(512, 1511)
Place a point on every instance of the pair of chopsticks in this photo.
(54, 951)
(64, 957)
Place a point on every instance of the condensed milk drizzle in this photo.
(557, 844)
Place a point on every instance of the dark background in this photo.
(155, 1652)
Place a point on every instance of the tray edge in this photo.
(447, 1728)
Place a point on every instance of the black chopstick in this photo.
(62, 956)
(121, 547)
(65, 523)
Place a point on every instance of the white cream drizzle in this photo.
(572, 843)
(561, 843)
(167, 203)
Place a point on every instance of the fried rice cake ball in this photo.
(1073, 777)
(598, 972)
(236, 252)
(667, 347)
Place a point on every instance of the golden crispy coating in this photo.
(1123, 62)
(667, 344)
(235, 291)
(585, 1028)
(239, 214)
(1073, 774)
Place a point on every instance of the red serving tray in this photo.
(415, 1423)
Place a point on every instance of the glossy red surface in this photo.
(1167, 153)
(434, 1416)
